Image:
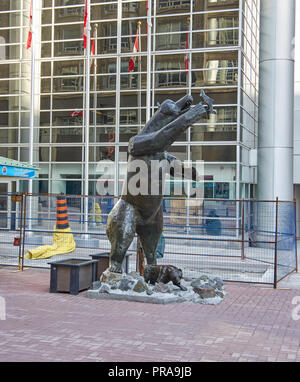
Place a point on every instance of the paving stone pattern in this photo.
(253, 323)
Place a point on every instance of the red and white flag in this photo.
(135, 50)
(29, 38)
(93, 52)
(85, 26)
(76, 113)
(186, 59)
(147, 10)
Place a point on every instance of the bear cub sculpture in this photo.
(163, 274)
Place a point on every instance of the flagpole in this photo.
(95, 86)
(153, 37)
(149, 41)
(188, 55)
(31, 117)
(188, 83)
(87, 117)
(139, 78)
(95, 110)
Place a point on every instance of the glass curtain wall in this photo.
(249, 64)
(219, 38)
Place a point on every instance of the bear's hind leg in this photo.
(120, 229)
(150, 234)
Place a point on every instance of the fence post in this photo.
(243, 229)
(21, 230)
(295, 217)
(276, 242)
(24, 228)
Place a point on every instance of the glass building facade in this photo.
(218, 37)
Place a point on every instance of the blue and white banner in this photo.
(18, 172)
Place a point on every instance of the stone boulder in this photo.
(161, 288)
(205, 291)
(110, 277)
(140, 287)
(126, 284)
(207, 287)
(104, 288)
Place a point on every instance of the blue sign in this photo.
(18, 172)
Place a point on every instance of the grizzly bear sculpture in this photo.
(141, 212)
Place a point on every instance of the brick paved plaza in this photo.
(253, 323)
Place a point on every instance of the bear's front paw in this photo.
(115, 267)
(208, 103)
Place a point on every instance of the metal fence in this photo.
(237, 240)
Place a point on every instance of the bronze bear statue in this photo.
(142, 213)
(163, 274)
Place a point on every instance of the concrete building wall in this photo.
(297, 117)
(297, 98)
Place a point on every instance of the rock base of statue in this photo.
(132, 287)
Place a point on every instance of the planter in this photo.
(72, 275)
(103, 262)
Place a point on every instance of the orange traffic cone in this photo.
(62, 221)
(63, 241)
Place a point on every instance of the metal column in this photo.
(276, 100)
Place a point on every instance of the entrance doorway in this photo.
(5, 205)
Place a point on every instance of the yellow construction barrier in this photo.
(97, 216)
(63, 242)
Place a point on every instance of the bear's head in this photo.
(167, 112)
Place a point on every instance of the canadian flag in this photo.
(135, 49)
(76, 113)
(93, 52)
(85, 26)
(29, 38)
(147, 10)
